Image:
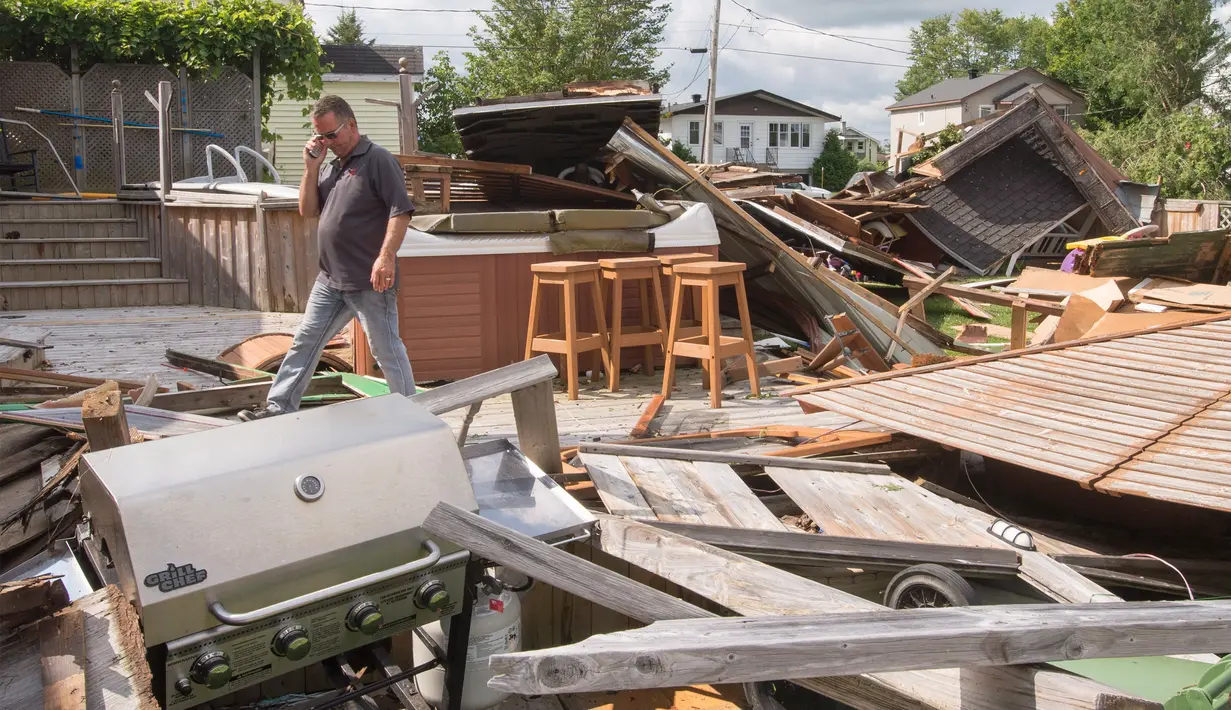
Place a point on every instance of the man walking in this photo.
(364, 210)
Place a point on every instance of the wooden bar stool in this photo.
(691, 325)
(569, 275)
(712, 346)
(645, 270)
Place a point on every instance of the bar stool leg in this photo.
(746, 326)
(570, 336)
(669, 365)
(715, 335)
(662, 317)
(697, 296)
(534, 317)
(617, 337)
(645, 321)
(604, 351)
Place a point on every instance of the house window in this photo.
(859, 147)
(1063, 110)
(779, 135)
(806, 135)
(920, 118)
(986, 110)
(694, 133)
(717, 132)
(794, 135)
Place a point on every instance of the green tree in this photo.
(835, 165)
(945, 47)
(1190, 149)
(1133, 58)
(444, 90)
(681, 151)
(347, 30)
(950, 135)
(533, 46)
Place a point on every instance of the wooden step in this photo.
(61, 209)
(74, 248)
(30, 230)
(58, 270)
(5, 221)
(92, 293)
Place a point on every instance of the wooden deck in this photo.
(130, 343)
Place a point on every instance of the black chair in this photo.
(18, 165)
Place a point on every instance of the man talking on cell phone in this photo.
(360, 197)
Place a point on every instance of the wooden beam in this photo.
(833, 549)
(209, 366)
(655, 452)
(105, 421)
(861, 349)
(493, 383)
(688, 651)
(479, 165)
(62, 648)
(739, 371)
(1017, 338)
(979, 296)
(238, 396)
(26, 600)
(538, 435)
(642, 427)
(18, 464)
(917, 299)
(750, 588)
(829, 217)
(556, 567)
(833, 442)
(54, 378)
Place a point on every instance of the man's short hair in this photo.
(335, 105)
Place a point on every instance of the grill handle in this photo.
(265, 612)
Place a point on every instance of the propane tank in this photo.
(495, 627)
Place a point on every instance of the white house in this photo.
(973, 96)
(358, 72)
(754, 128)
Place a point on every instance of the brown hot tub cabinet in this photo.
(464, 296)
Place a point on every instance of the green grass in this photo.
(945, 315)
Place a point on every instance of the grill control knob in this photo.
(184, 686)
(213, 670)
(432, 596)
(365, 617)
(293, 643)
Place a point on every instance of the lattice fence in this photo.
(38, 85)
(221, 106)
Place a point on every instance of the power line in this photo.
(395, 9)
(845, 38)
(803, 56)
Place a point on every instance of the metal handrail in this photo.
(260, 160)
(209, 163)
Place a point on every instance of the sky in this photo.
(858, 93)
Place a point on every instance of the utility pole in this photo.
(707, 148)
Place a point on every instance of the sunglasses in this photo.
(328, 136)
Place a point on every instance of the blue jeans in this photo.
(328, 312)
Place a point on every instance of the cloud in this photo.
(857, 92)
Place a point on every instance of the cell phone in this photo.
(314, 153)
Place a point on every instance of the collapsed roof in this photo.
(1011, 181)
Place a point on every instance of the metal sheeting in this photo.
(1146, 414)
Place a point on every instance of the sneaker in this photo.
(250, 415)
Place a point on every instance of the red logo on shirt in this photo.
(352, 171)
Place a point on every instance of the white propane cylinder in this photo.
(495, 627)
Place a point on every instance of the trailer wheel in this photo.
(929, 585)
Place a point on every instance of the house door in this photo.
(745, 136)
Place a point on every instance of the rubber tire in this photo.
(950, 584)
(759, 698)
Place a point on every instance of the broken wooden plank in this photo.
(833, 549)
(209, 366)
(827, 216)
(22, 461)
(832, 443)
(62, 647)
(681, 652)
(997, 299)
(642, 427)
(147, 420)
(105, 421)
(556, 567)
(238, 396)
(964, 304)
(751, 588)
(493, 383)
(859, 347)
(538, 435)
(739, 371)
(616, 487)
(1017, 339)
(26, 600)
(54, 378)
(730, 458)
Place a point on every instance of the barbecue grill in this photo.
(255, 549)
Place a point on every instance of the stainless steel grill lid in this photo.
(260, 513)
